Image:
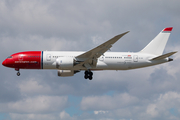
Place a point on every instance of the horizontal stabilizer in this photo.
(163, 56)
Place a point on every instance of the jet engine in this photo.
(66, 73)
(65, 63)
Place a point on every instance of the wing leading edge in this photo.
(90, 57)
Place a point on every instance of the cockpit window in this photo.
(9, 57)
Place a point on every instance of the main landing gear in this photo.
(88, 74)
(18, 73)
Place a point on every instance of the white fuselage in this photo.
(68, 63)
(108, 61)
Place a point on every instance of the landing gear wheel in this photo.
(90, 77)
(91, 74)
(18, 73)
(88, 74)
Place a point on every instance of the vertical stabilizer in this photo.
(157, 45)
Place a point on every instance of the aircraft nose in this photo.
(4, 63)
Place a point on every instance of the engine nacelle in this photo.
(65, 62)
(65, 73)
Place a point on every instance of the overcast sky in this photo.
(142, 94)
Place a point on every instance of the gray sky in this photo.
(147, 93)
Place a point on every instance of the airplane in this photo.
(69, 63)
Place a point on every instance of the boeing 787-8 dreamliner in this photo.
(68, 63)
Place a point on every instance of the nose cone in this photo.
(4, 63)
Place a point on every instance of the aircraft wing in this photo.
(89, 58)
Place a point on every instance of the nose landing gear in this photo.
(88, 74)
(18, 73)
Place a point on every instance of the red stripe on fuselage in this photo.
(25, 60)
